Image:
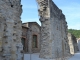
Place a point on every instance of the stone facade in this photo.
(54, 41)
(78, 42)
(10, 30)
(33, 36)
(72, 43)
(24, 38)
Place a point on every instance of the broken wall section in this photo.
(54, 41)
(11, 42)
(59, 30)
(2, 28)
(73, 44)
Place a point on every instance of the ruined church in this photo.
(52, 39)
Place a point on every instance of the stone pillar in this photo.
(11, 39)
(45, 29)
(53, 31)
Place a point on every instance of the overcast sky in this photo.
(70, 8)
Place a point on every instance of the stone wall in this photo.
(54, 41)
(24, 38)
(10, 26)
(34, 29)
(78, 42)
(2, 28)
(72, 43)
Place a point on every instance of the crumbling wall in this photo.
(78, 42)
(11, 39)
(54, 41)
(2, 28)
(72, 43)
(33, 29)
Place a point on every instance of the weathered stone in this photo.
(2, 26)
(54, 41)
(78, 42)
(72, 43)
(34, 30)
(10, 12)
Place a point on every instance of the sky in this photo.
(70, 8)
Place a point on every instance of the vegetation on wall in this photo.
(75, 32)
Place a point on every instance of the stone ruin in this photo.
(72, 44)
(54, 41)
(10, 30)
(78, 42)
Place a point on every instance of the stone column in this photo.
(46, 41)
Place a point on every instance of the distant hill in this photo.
(75, 32)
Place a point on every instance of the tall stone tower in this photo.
(54, 41)
(10, 30)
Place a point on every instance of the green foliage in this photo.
(75, 32)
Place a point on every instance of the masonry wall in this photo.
(78, 42)
(2, 28)
(54, 41)
(72, 43)
(24, 37)
(11, 47)
(34, 29)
